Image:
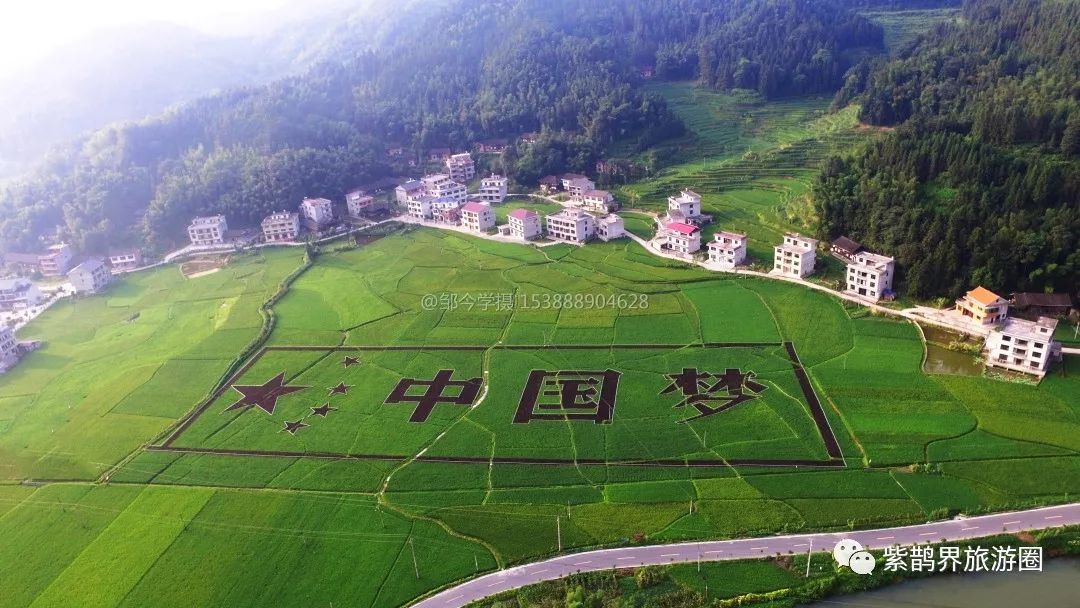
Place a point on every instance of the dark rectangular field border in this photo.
(817, 413)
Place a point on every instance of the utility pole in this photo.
(558, 531)
(416, 566)
(476, 562)
(809, 556)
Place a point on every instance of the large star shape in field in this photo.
(263, 396)
(350, 361)
(340, 389)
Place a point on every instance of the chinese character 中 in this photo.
(435, 393)
(710, 393)
(569, 395)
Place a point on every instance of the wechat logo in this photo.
(851, 554)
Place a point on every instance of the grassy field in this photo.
(118, 369)
(979, 436)
(300, 524)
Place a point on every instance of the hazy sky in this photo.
(31, 28)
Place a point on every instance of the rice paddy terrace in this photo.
(753, 162)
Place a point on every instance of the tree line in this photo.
(979, 184)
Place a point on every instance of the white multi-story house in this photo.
(610, 227)
(795, 257)
(577, 185)
(680, 237)
(870, 275)
(316, 214)
(17, 293)
(461, 167)
(524, 224)
(571, 225)
(599, 201)
(56, 261)
(1023, 346)
(90, 277)
(446, 211)
(440, 185)
(685, 207)
(566, 178)
(477, 217)
(983, 307)
(728, 249)
(9, 348)
(492, 189)
(410, 189)
(359, 203)
(121, 260)
(420, 207)
(207, 230)
(281, 226)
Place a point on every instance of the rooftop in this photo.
(522, 214)
(681, 228)
(14, 284)
(281, 215)
(316, 201)
(873, 260)
(1023, 300)
(847, 245)
(412, 184)
(569, 213)
(611, 218)
(731, 235)
(475, 207)
(207, 219)
(89, 265)
(597, 194)
(1029, 330)
(983, 296)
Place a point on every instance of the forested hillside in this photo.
(423, 75)
(980, 182)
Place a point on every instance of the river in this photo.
(1057, 586)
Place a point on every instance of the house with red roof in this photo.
(983, 306)
(524, 224)
(680, 237)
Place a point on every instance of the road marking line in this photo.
(969, 528)
(631, 557)
(456, 597)
(670, 554)
(927, 533)
(801, 545)
(885, 538)
(758, 548)
(581, 563)
(493, 584)
(716, 552)
(1015, 521)
(1053, 517)
(539, 571)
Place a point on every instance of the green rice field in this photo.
(177, 524)
(128, 477)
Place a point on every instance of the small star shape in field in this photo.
(264, 396)
(351, 361)
(292, 427)
(323, 410)
(340, 389)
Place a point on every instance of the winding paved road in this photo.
(627, 557)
